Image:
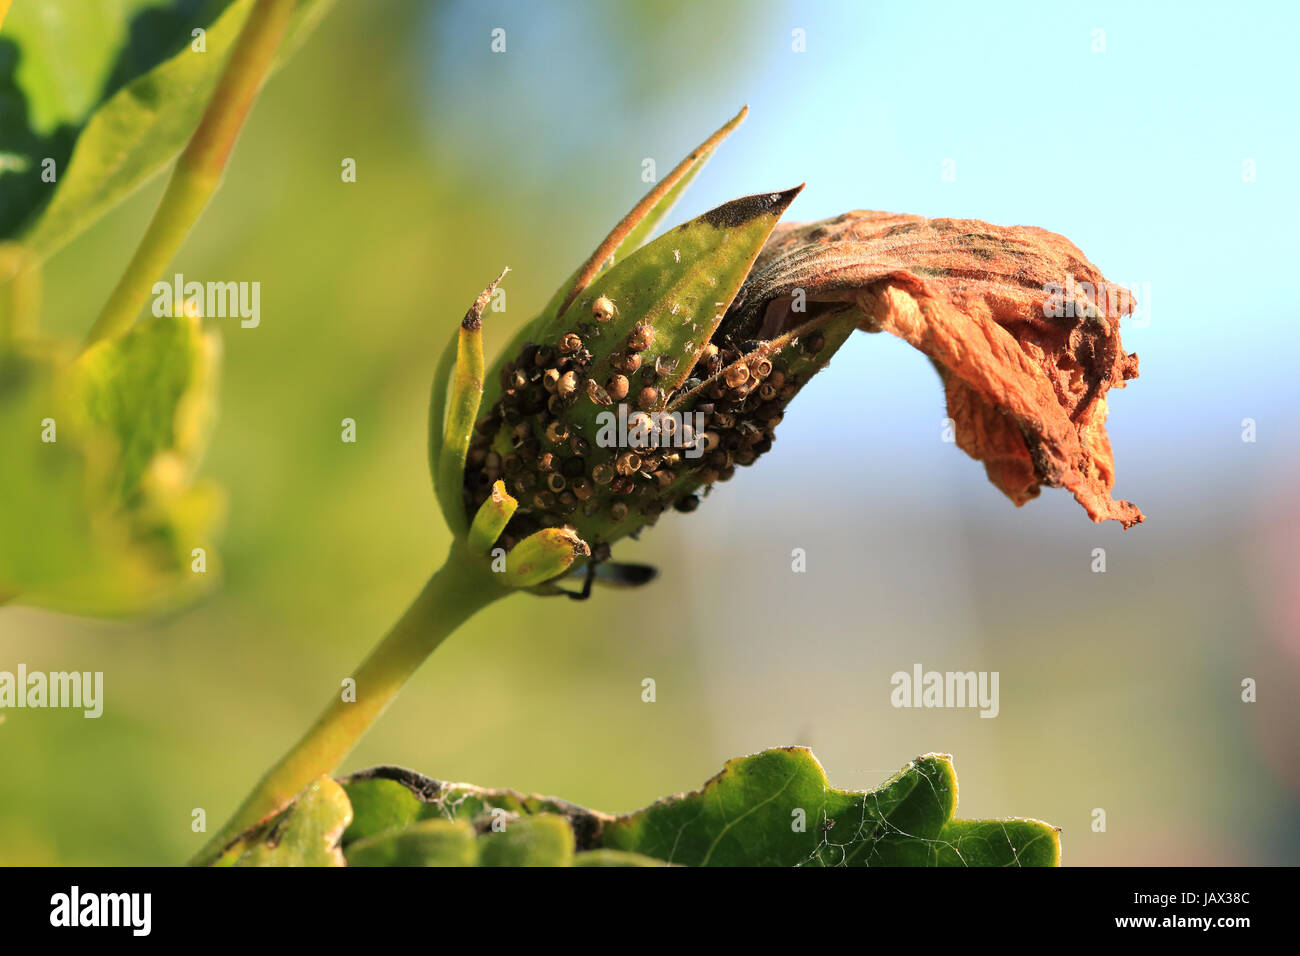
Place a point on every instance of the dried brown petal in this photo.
(1026, 385)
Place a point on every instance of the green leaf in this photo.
(72, 55)
(997, 843)
(388, 798)
(307, 833)
(154, 390)
(104, 518)
(542, 840)
(775, 808)
(380, 804)
(134, 134)
(426, 843)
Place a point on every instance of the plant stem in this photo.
(199, 168)
(461, 588)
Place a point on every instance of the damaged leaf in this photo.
(1022, 328)
(775, 808)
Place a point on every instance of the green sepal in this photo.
(492, 517)
(465, 392)
(541, 556)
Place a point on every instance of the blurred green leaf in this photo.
(104, 518)
(774, 808)
(426, 843)
(154, 389)
(59, 63)
(73, 55)
(306, 834)
(543, 840)
(131, 135)
(380, 804)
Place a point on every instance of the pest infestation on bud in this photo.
(660, 370)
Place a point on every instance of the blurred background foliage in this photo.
(1119, 691)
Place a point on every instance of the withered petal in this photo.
(1023, 329)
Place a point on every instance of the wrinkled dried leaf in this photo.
(1022, 328)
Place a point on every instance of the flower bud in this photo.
(713, 299)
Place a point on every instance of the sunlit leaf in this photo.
(136, 132)
(73, 55)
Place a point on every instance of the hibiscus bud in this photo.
(701, 347)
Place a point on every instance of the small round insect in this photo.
(640, 338)
(603, 309)
(627, 362)
(557, 432)
(617, 387)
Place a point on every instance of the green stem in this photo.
(461, 588)
(199, 168)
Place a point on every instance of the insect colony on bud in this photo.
(531, 437)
